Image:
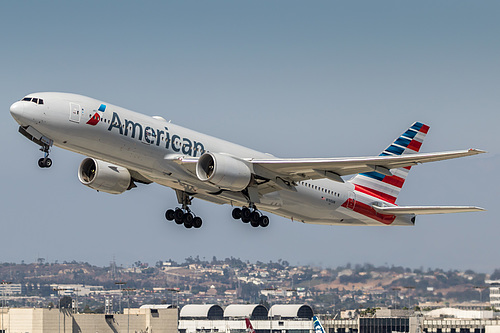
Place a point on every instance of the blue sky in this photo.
(296, 79)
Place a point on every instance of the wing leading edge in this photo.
(333, 168)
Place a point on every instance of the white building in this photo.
(76, 289)
(210, 318)
(494, 293)
(41, 320)
(10, 289)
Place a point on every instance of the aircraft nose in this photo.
(16, 110)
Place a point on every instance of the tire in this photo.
(254, 224)
(40, 163)
(188, 218)
(246, 213)
(48, 162)
(188, 225)
(178, 214)
(169, 215)
(236, 213)
(255, 217)
(245, 220)
(197, 222)
(264, 221)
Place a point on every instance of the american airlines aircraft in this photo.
(126, 147)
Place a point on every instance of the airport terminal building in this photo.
(212, 318)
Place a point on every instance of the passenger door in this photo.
(75, 112)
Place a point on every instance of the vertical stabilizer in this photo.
(249, 326)
(318, 328)
(388, 187)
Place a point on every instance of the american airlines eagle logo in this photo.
(94, 120)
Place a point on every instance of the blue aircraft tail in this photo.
(318, 328)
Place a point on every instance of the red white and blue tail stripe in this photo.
(388, 187)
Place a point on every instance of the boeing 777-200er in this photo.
(126, 148)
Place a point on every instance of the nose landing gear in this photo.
(254, 216)
(45, 161)
(41, 140)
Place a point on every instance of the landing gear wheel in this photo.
(264, 221)
(169, 215)
(255, 217)
(188, 225)
(246, 213)
(245, 220)
(197, 222)
(188, 218)
(178, 214)
(236, 213)
(254, 224)
(45, 162)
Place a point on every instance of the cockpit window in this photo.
(33, 99)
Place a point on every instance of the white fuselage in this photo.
(151, 146)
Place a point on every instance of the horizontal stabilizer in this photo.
(425, 210)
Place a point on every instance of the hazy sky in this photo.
(293, 78)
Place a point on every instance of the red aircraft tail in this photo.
(249, 326)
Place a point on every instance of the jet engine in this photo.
(103, 176)
(223, 171)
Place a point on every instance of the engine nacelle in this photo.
(103, 176)
(223, 171)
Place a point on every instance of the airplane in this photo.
(125, 148)
(318, 328)
(250, 328)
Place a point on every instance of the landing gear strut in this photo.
(183, 215)
(32, 134)
(253, 216)
(45, 161)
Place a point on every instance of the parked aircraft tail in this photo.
(250, 328)
(386, 184)
(318, 328)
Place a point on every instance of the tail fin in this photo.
(388, 187)
(318, 328)
(249, 326)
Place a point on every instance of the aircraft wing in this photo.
(425, 210)
(314, 168)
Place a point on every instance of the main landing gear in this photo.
(184, 215)
(253, 216)
(45, 161)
